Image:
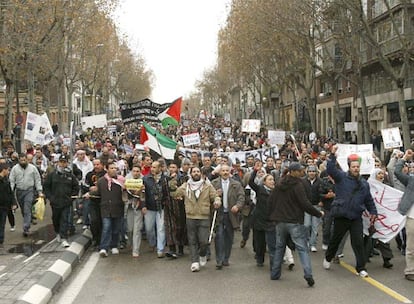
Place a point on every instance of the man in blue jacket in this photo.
(353, 197)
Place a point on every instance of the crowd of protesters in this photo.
(108, 184)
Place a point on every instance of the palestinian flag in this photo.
(157, 142)
(171, 116)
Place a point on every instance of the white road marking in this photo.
(72, 291)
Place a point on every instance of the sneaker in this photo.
(409, 277)
(58, 238)
(135, 255)
(324, 247)
(84, 227)
(161, 255)
(363, 273)
(103, 253)
(79, 221)
(115, 251)
(195, 267)
(313, 249)
(310, 281)
(291, 265)
(326, 264)
(171, 254)
(12, 228)
(336, 260)
(242, 243)
(340, 255)
(65, 244)
(203, 261)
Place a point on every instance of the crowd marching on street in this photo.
(301, 196)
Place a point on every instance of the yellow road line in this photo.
(378, 285)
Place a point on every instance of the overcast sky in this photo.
(177, 38)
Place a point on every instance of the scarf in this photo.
(119, 180)
(195, 187)
(268, 190)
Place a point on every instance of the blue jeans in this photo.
(224, 240)
(110, 232)
(25, 199)
(271, 244)
(3, 216)
(155, 219)
(312, 225)
(298, 234)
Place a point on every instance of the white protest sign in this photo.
(350, 126)
(95, 121)
(191, 139)
(226, 116)
(363, 151)
(391, 138)
(226, 130)
(276, 137)
(389, 221)
(250, 125)
(38, 129)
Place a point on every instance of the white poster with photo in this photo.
(191, 139)
(94, 121)
(38, 129)
(226, 116)
(251, 125)
(391, 138)
(351, 126)
(366, 153)
(276, 137)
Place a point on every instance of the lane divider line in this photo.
(380, 286)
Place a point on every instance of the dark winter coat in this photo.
(111, 203)
(353, 195)
(260, 215)
(59, 187)
(288, 202)
(6, 198)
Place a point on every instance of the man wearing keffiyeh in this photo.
(110, 188)
(199, 196)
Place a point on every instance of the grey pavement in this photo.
(123, 279)
(28, 259)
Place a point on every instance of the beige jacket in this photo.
(200, 208)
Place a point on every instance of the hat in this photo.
(63, 157)
(295, 166)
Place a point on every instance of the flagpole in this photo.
(158, 143)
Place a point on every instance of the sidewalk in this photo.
(31, 261)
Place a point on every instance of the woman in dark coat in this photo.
(260, 221)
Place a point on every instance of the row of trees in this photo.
(52, 48)
(279, 46)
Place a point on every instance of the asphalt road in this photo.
(122, 279)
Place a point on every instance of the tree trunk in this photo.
(9, 109)
(365, 123)
(30, 88)
(404, 118)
